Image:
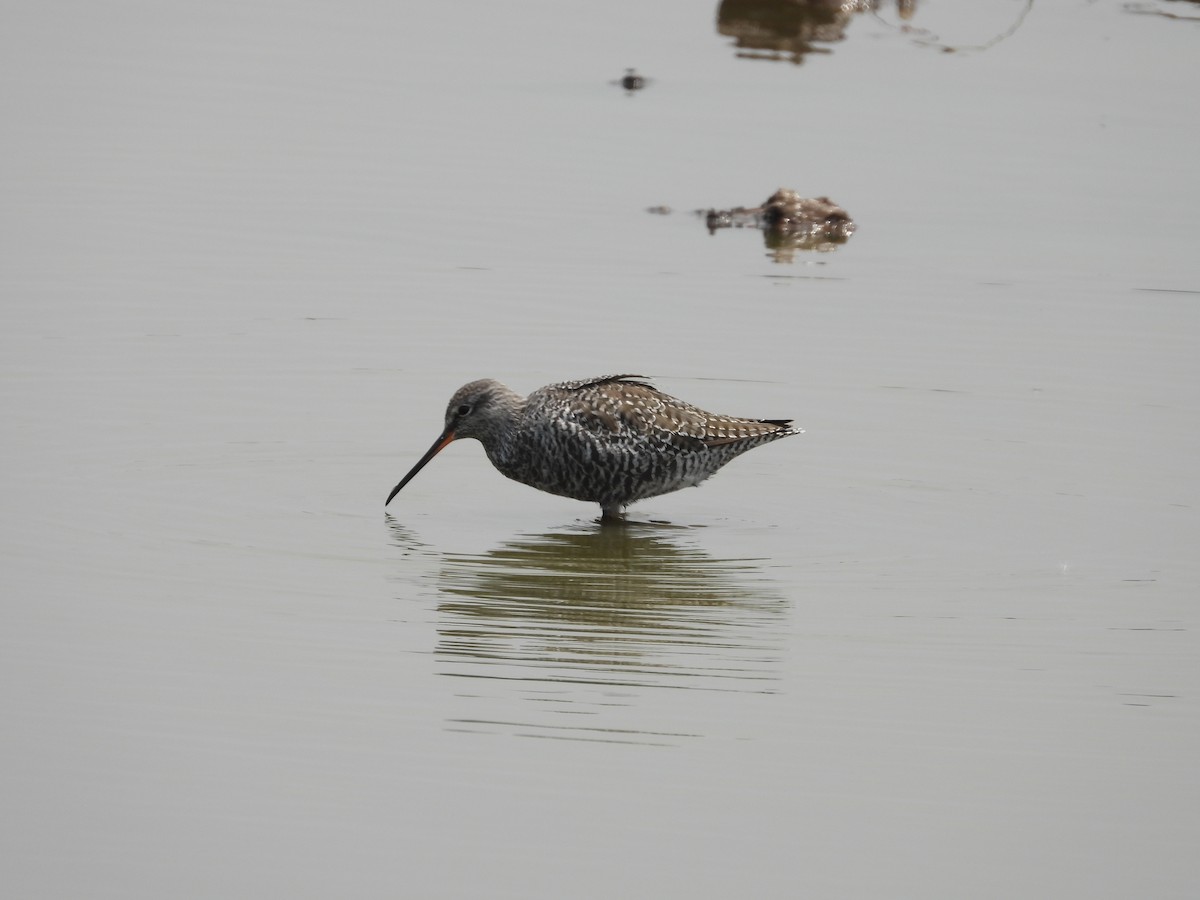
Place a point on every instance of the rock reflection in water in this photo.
(789, 29)
(792, 29)
(588, 620)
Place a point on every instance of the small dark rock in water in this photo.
(789, 221)
(632, 81)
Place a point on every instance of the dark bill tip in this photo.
(445, 438)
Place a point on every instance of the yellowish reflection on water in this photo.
(587, 628)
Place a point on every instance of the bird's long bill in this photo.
(445, 438)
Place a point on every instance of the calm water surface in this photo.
(943, 645)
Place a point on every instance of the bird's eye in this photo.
(464, 409)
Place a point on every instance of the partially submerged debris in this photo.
(788, 221)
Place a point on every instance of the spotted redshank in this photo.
(612, 440)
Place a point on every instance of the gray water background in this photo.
(943, 645)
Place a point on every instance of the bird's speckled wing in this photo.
(620, 408)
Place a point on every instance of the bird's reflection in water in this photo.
(596, 619)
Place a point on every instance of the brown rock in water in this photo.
(789, 222)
